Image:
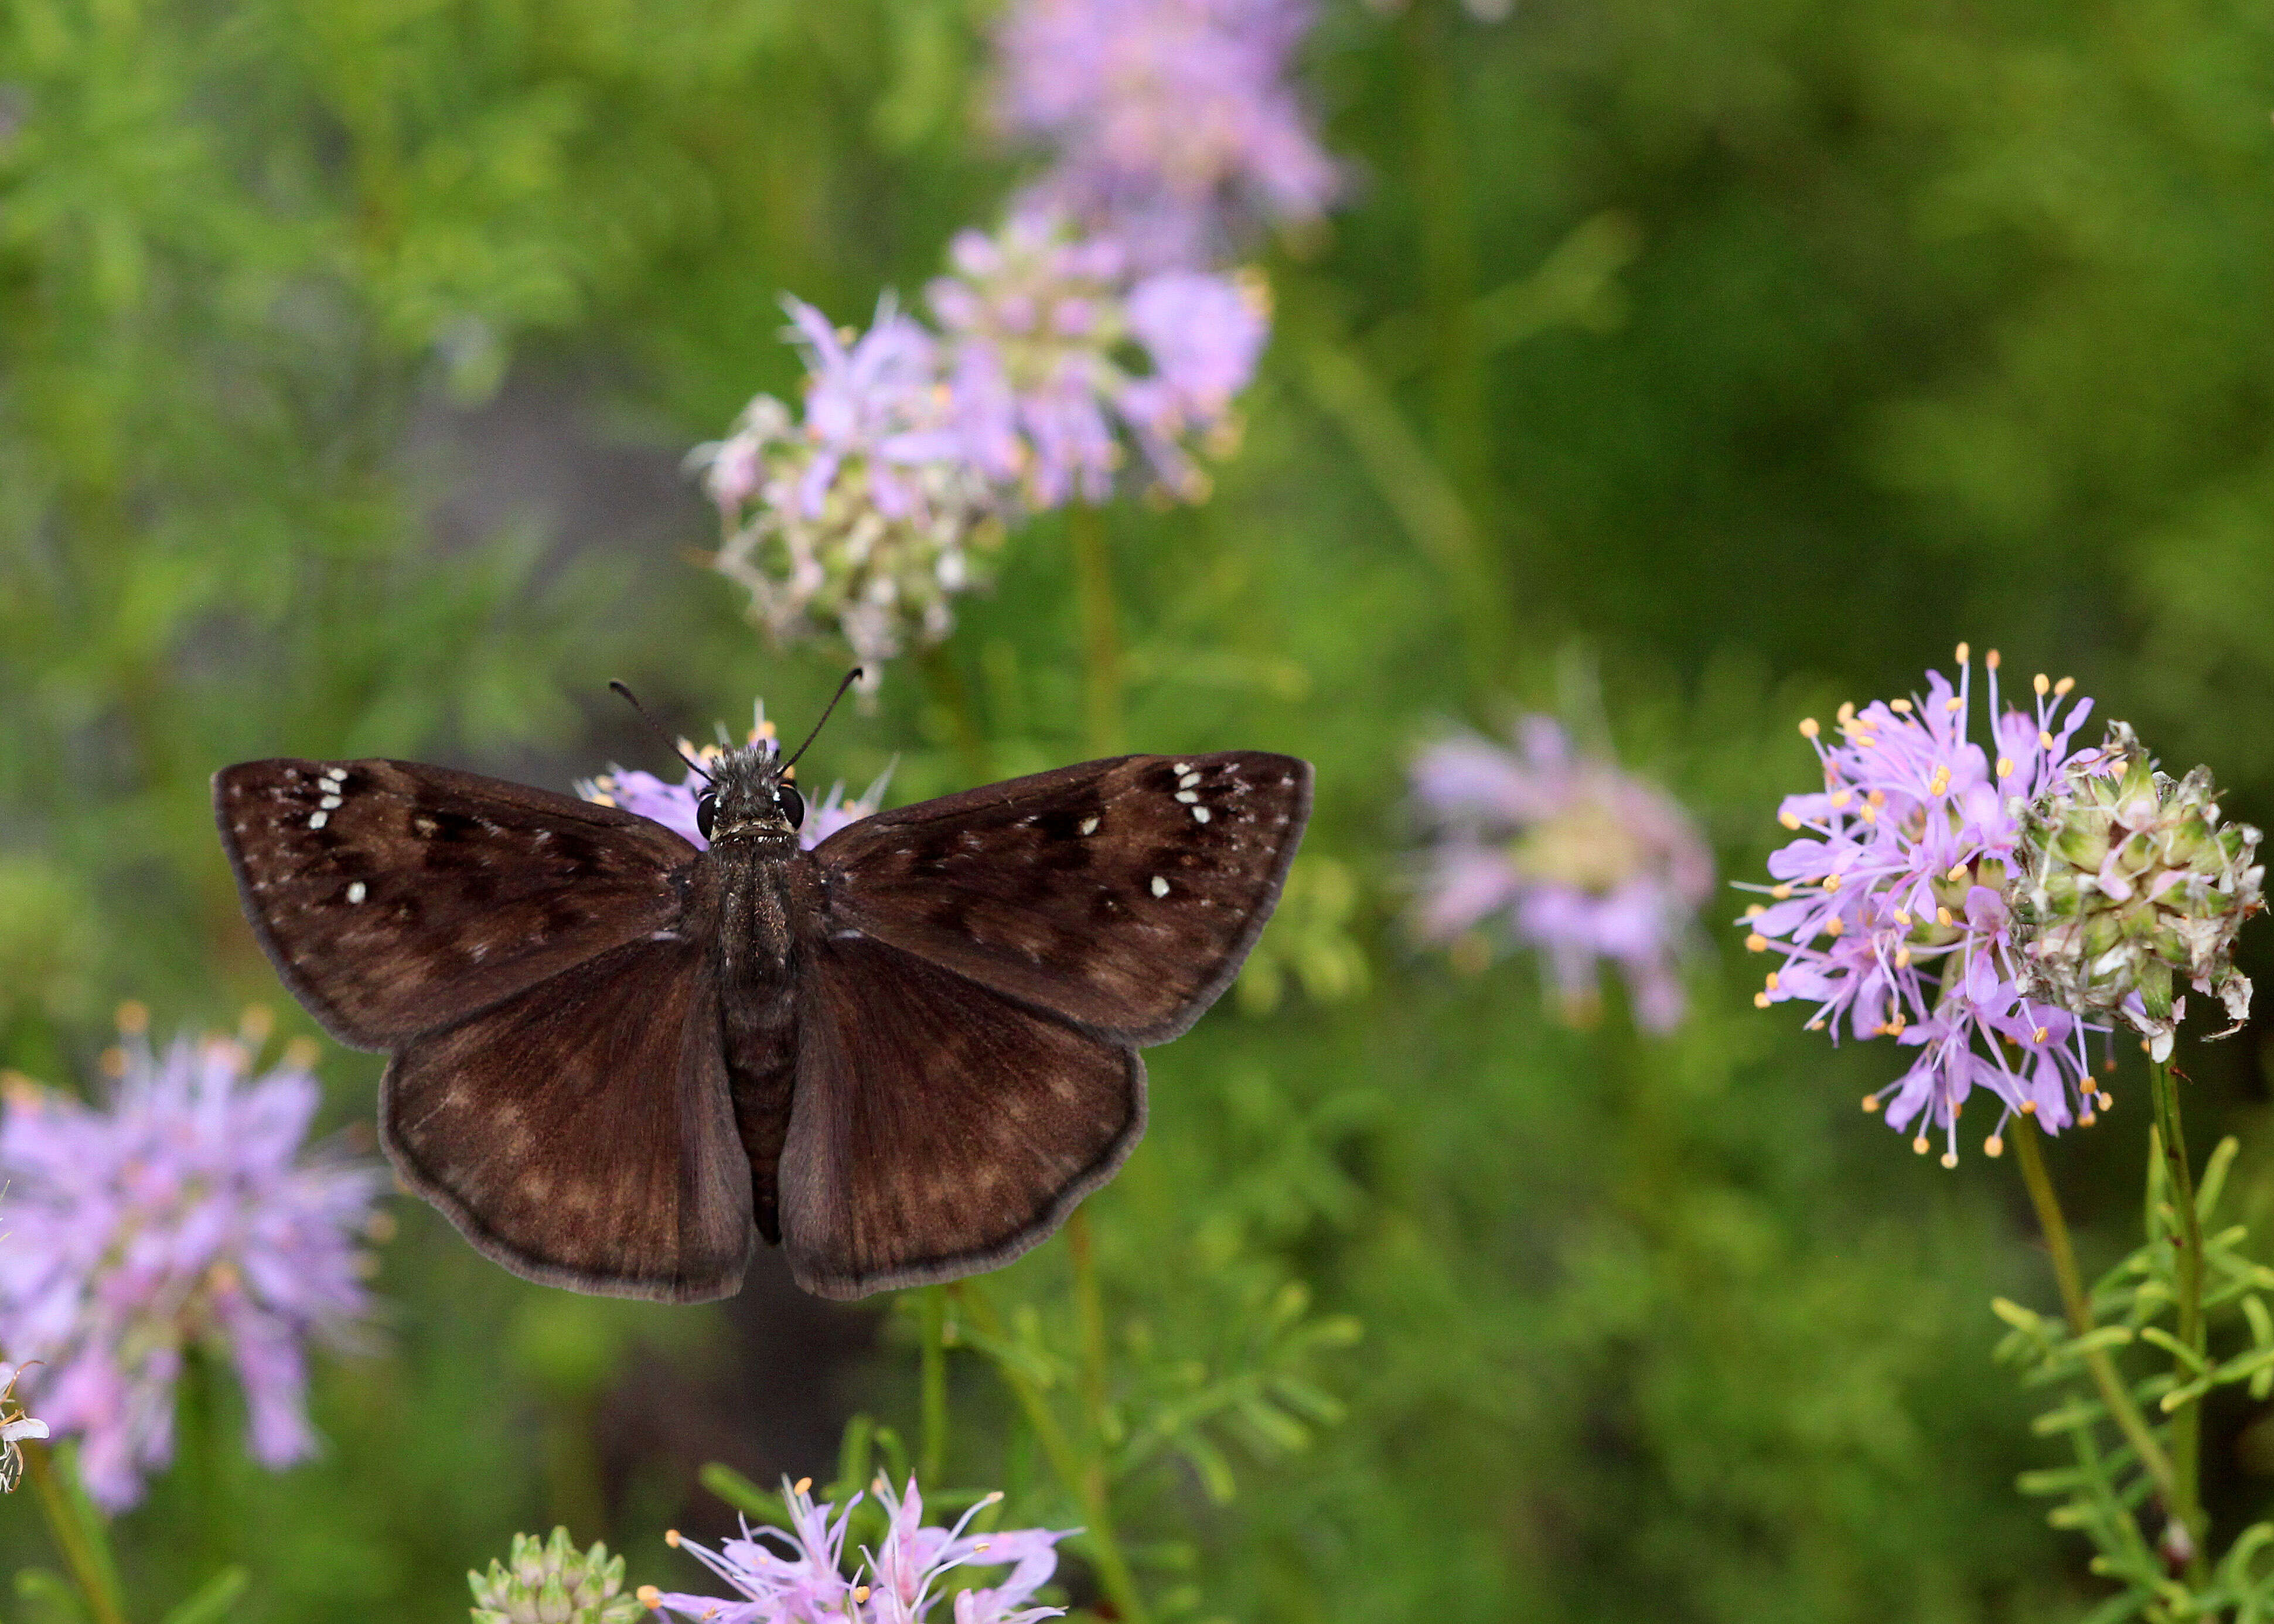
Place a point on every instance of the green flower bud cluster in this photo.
(2128, 883)
(552, 1582)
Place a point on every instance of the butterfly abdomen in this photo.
(743, 887)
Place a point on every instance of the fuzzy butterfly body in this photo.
(904, 1056)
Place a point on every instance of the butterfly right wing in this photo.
(581, 1133)
(396, 897)
(938, 1128)
(1122, 895)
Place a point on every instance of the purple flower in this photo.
(1035, 319)
(802, 1581)
(1577, 858)
(1892, 910)
(181, 1215)
(1173, 127)
(1032, 317)
(864, 513)
(673, 804)
(15, 1426)
(1204, 334)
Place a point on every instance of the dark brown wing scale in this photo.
(939, 1128)
(580, 1133)
(1120, 894)
(396, 898)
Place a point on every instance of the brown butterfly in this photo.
(904, 1056)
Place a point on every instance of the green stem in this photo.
(88, 1568)
(1101, 628)
(934, 1453)
(2186, 1420)
(198, 1415)
(2113, 1391)
(952, 694)
(1448, 242)
(1089, 1310)
(1087, 1486)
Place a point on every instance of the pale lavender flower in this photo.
(800, 1578)
(1173, 127)
(15, 1427)
(181, 1215)
(864, 515)
(1036, 320)
(1571, 855)
(1204, 334)
(1893, 910)
(673, 804)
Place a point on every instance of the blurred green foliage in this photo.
(1757, 348)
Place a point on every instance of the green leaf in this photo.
(2214, 1176)
(743, 1495)
(2173, 1346)
(211, 1600)
(48, 1598)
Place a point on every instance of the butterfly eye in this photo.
(706, 813)
(792, 805)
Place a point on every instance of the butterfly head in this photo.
(749, 794)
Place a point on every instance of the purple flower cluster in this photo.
(803, 1581)
(673, 804)
(1891, 909)
(1096, 317)
(181, 1215)
(1034, 318)
(872, 510)
(1575, 857)
(1172, 125)
(863, 515)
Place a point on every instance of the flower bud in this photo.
(2128, 882)
(551, 1582)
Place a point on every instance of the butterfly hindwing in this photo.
(939, 1128)
(1121, 894)
(580, 1133)
(396, 897)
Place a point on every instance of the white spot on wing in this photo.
(1188, 780)
(1186, 796)
(1160, 886)
(1200, 815)
(355, 891)
(1184, 767)
(328, 802)
(318, 820)
(1089, 825)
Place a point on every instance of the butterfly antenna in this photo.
(851, 677)
(669, 742)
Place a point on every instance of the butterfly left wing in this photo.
(938, 1129)
(1122, 895)
(395, 898)
(581, 1133)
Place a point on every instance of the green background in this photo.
(1682, 368)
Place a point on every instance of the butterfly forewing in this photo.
(396, 897)
(939, 1128)
(1121, 894)
(580, 1133)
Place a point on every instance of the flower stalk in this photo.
(2113, 1392)
(932, 1383)
(1101, 628)
(90, 1566)
(1075, 1473)
(2186, 1417)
